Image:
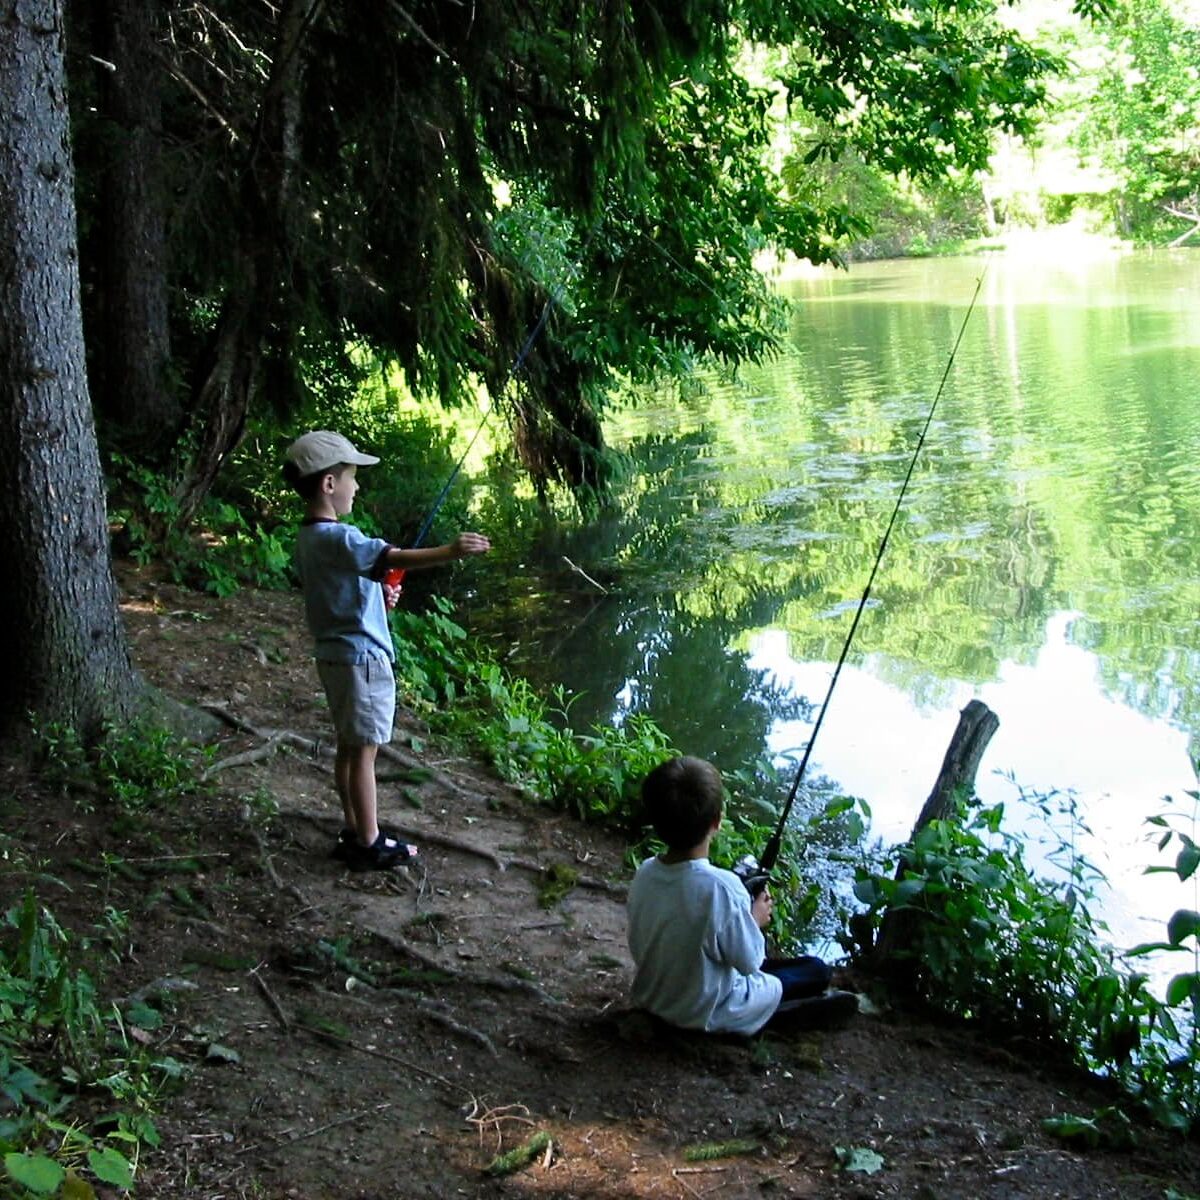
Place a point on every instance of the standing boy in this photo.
(341, 571)
(696, 934)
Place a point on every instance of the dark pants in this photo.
(801, 977)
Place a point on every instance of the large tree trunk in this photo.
(136, 350)
(63, 653)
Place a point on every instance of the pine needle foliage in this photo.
(427, 178)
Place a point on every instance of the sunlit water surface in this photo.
(1046, 559)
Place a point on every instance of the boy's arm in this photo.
(739, 939)
(431, 556)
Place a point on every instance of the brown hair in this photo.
(308, 485)
(681, 798)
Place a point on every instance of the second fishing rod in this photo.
(756, 874)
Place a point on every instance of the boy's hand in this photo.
(762, 907)
(391, 595)
(470, 543)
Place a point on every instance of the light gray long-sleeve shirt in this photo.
(698, 949)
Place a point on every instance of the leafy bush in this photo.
(138, 766)
(988, 940)
(57, 1043)
(226, 550)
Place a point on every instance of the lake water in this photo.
(1046, 559)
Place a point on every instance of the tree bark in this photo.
(136, 351)
(63, 653)
(976, 725)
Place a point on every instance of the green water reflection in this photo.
(1059, 475)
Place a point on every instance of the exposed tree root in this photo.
(497, 983)
(317, 748)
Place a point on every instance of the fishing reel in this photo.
(753, 877)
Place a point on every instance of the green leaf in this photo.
(111, 1166)
(74, 1188)
(1149, 948)
(35, 1171)
(1183, 988)
(221, 1054)
(1070, 1128)
(1188, 860)
(859, 1159)
(1185, 923)
(907, 890)
(867, 890)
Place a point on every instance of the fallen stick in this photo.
(583, 881)
(501, 864)
(247, 756)
(392, 1058)
(269, 869)
(272, 1003)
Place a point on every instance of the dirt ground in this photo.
(372, 1036)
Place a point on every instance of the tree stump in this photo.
(976, 725)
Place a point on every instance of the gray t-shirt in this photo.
(698, 949)
(340, 569)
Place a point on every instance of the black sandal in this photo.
(382, 854)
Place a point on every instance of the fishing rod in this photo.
(395, 576)
(756, 875)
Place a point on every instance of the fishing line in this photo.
(771, 852)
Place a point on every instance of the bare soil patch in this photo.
(391, 1034)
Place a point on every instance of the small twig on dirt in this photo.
(272, 1003)
(495, 1117)
(269, 869)
(181, 857)
(392, 1058)
(300, 1137)
(267, 865)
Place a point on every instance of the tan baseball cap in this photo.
(321, 449)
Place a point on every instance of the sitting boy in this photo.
(696, 934)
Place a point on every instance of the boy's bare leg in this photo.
(341, 779)
(354, 772)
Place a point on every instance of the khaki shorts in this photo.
(362, 699)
